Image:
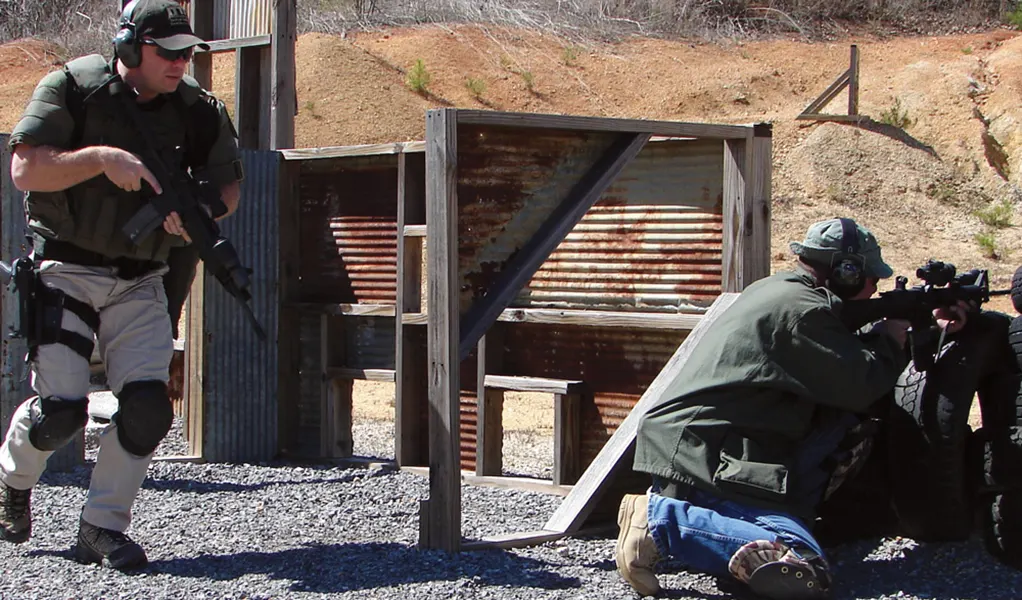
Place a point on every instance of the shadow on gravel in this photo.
(337, 568)
(938, 571)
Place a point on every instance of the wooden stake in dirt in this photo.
(849, 79)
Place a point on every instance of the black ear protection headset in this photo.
(127, 46)
(848, 267)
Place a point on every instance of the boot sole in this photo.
(87, 556)
(783, 581)
(15, 538)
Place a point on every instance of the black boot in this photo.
(108, 547)
(15, 514)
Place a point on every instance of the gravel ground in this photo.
(278, 531)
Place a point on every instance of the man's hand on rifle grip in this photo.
(953, 318)
(173, 225)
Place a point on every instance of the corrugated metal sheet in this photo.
(348, 230)
(651, 243)
(242, 18)
(618, 364)
(240, 372)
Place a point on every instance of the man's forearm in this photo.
(49, 169)
(230, 194)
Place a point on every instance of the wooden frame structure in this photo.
(457, 322)
(849, 79)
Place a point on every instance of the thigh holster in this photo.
(144, 416)
(56, 421)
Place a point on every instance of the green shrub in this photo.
(569, 54)
(988, 244)
(1014, 18)
(529, 79)
(418, 78)
(475, 86)
(996, 215)
(896, 116)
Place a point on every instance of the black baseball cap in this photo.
(165, 22)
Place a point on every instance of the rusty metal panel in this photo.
(348, 230)
(240, 371)
(241, 18)
(617, 364)
(653, 241)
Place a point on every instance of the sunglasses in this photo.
(171, 55)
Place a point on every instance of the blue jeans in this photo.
(703, 532)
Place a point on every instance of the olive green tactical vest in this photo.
(91, 214)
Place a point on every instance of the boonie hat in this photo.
(823, 244)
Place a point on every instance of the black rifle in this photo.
(941, 288)
(193, 201)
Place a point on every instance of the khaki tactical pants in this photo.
(135, 343)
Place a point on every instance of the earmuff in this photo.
(848, 267)
(127, 46)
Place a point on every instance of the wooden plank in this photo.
(598, 318)
(567, 438)
(233, 44)
(542, 486)
(853, 82)
(832, 90)
(195, 346)
(350, 310)
(289, 320)
(836, 118)
(444, 507)
(663, 128)
(358, 150)
(409, 352)
(490, 432)
(248, 117)
(385, 375)
(534, 384)
(757, 258)
(733, 209)
(335, 392)
(520, 269)
(572, 513)
(513, 540)
(282, 95)
(415, 230)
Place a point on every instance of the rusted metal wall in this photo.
(241, 18)
(348, 230)
(240, 371)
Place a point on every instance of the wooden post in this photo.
(335, 396)
(853, 82)
(444, 508)
(411, 385)
(251, 100)
(735, 211)
(283, 96)
(202, 26)
(489, 407)
(757, 257)
(567, 438)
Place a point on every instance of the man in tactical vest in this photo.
(76, 153)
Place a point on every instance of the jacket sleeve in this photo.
(46, 120)
(837, 367)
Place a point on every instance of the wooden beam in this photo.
(415, 230)
(853, 82)
(344, 309)
(443, 510)
(572, 513)
(586, 318)
(282, 93)
(520, 269)
(489, 406)
(734, 210)
(534, 384)
(524, 539)
(567, 437)
(233, 44)
(349, 151)
(662, 128)
(757, 258)
(348, 373)
(832, 90)
(542, 486)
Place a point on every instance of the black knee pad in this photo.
(56, 421)
(144, 416)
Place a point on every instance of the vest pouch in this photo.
(746, 469)
(50, 214)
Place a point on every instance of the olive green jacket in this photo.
(773, 367)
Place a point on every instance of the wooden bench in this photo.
(567, 431)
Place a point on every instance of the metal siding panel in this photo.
(617, 364)
(369, 342)
(348, 230)
(652, 243)
(240, 406)
(241, 18)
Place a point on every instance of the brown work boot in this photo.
(108, 548)
(15, 514)
(636, 552)
(773, 570)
